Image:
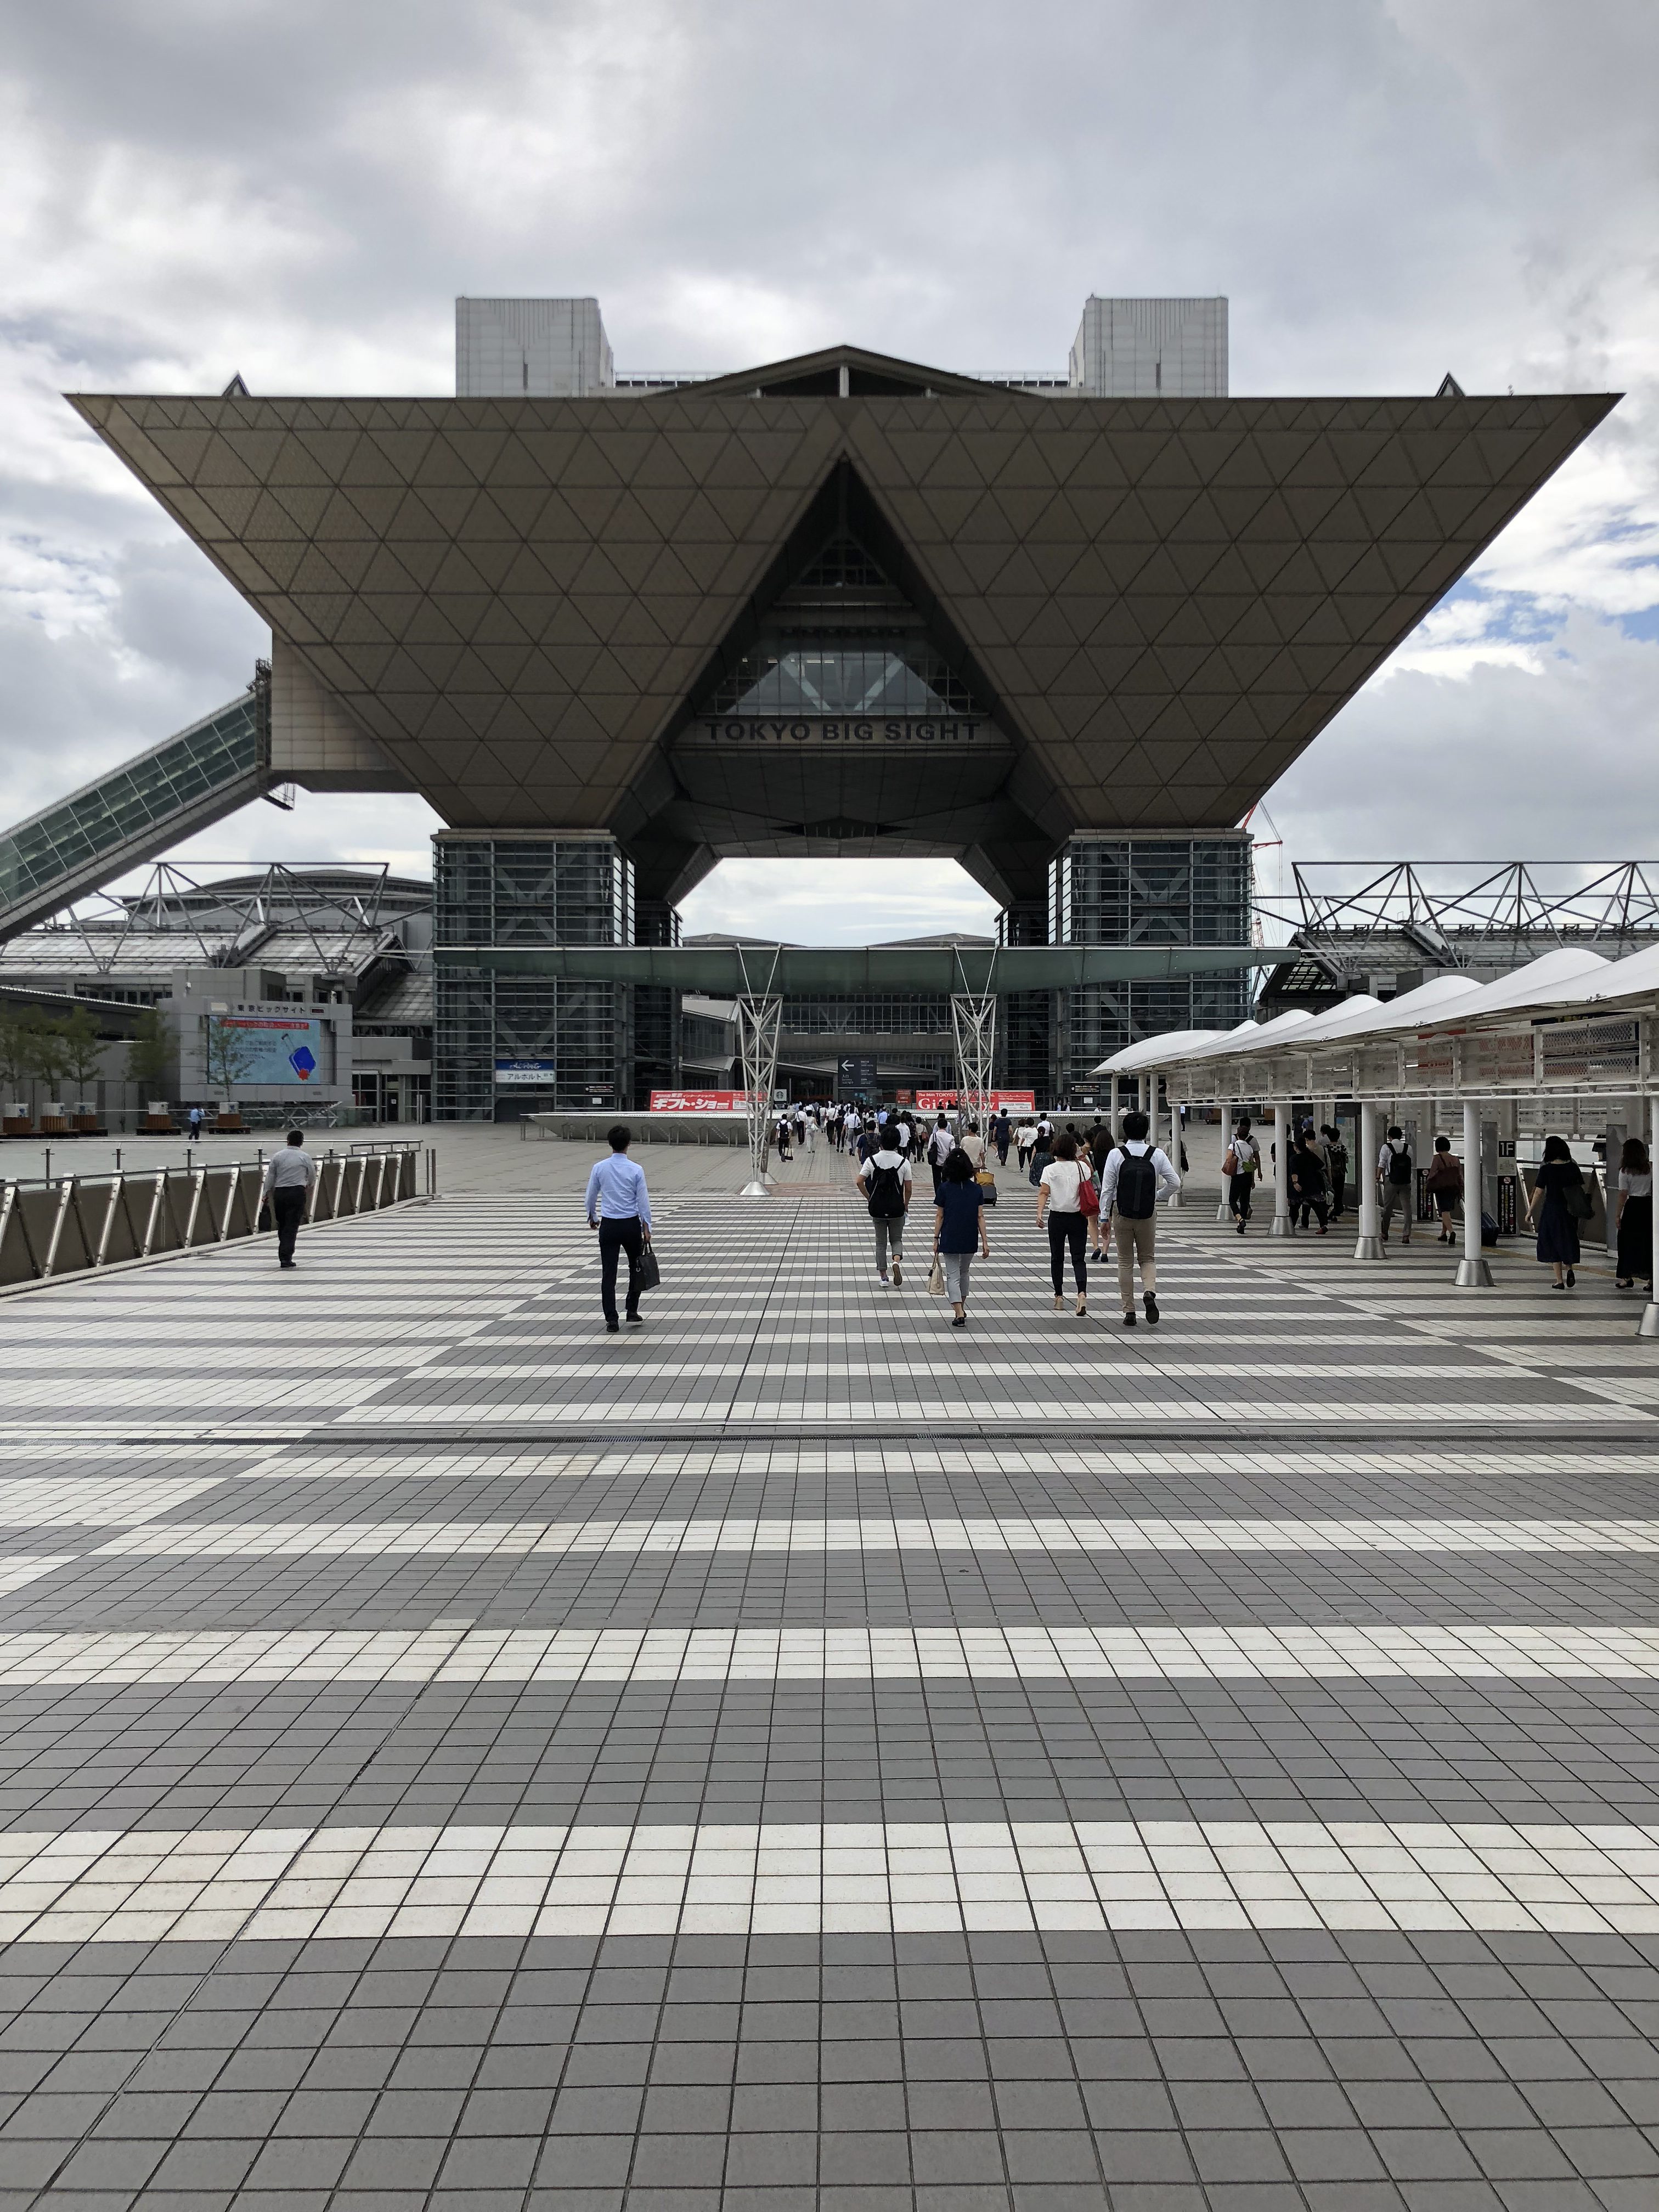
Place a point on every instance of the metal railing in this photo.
(70, 1224)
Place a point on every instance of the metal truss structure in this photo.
(974, 1026)
(337, 913)
(759, 1010)
(1459, 914)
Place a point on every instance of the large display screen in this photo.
(272, 1048)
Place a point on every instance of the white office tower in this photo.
(531, 349)
(1150, 349)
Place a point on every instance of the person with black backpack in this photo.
(1135, 1173)
(1393, 1173)
(884, 1182)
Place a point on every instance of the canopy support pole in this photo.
(1223, 1203)
(1370, 1245)
(1472, 1272)
(1281, 1221)
(1648, 1325)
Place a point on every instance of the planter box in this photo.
(229, 1124)
(54, 1125)
(16, 1125)
(86, 1125)
(158, 1125)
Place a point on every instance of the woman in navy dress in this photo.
(1558, 1228)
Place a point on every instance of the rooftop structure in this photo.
(842, 603)
(1065, 629)
(1386, 927)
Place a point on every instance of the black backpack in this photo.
(1400, 1166)
(886, 1194)
(1137, 1186)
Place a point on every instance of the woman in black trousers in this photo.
(1059, 1197)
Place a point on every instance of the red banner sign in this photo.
(1017, 1101)
(696, 1101)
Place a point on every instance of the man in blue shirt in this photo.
(619, 1207)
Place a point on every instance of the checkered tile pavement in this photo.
(800, 1755)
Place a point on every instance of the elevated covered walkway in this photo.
(135, 812)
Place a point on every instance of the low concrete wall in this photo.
(644, 1128)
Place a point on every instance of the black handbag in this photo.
(647, 1275)
(263, 1224)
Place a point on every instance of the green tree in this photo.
(83, 1050)
(229, 1056)
(14, 1053)
(149, 1056)
(46, 1046)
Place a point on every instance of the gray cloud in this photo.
(1386, 190)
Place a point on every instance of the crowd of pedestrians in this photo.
(1094, 1192)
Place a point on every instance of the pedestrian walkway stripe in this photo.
(902, 1402)
(1076, 1533)
(1014, 1652)
(79, 1502)
(913, 1877)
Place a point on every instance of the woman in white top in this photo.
(973, 1144)
(1635, 1215)
(1059, 1201)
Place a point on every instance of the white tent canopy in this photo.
(1553, 979)
(1152, 1052)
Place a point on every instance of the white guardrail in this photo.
(67, 1224)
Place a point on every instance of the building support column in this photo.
(1112, 1113)
(1370, 1245)
(1281, 1221)
(1472, 1272)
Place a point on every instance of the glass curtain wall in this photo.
(506, 1045)
(1147, 890)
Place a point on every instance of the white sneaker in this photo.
(882, 1280)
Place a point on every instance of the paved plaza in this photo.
(800, 1755)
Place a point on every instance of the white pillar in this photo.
(1111, 1118)
(1648, 1325)
(1281, 1222)
(1229, 1114)
(1472, 1272)
(1370, 1245)
(1174, 1146)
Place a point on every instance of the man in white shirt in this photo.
(1135, 1174)
(619, 1207)
(288, 1175)
(884, 1182)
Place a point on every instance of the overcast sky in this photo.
(1385, 189)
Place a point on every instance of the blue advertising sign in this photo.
(275, 1049)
